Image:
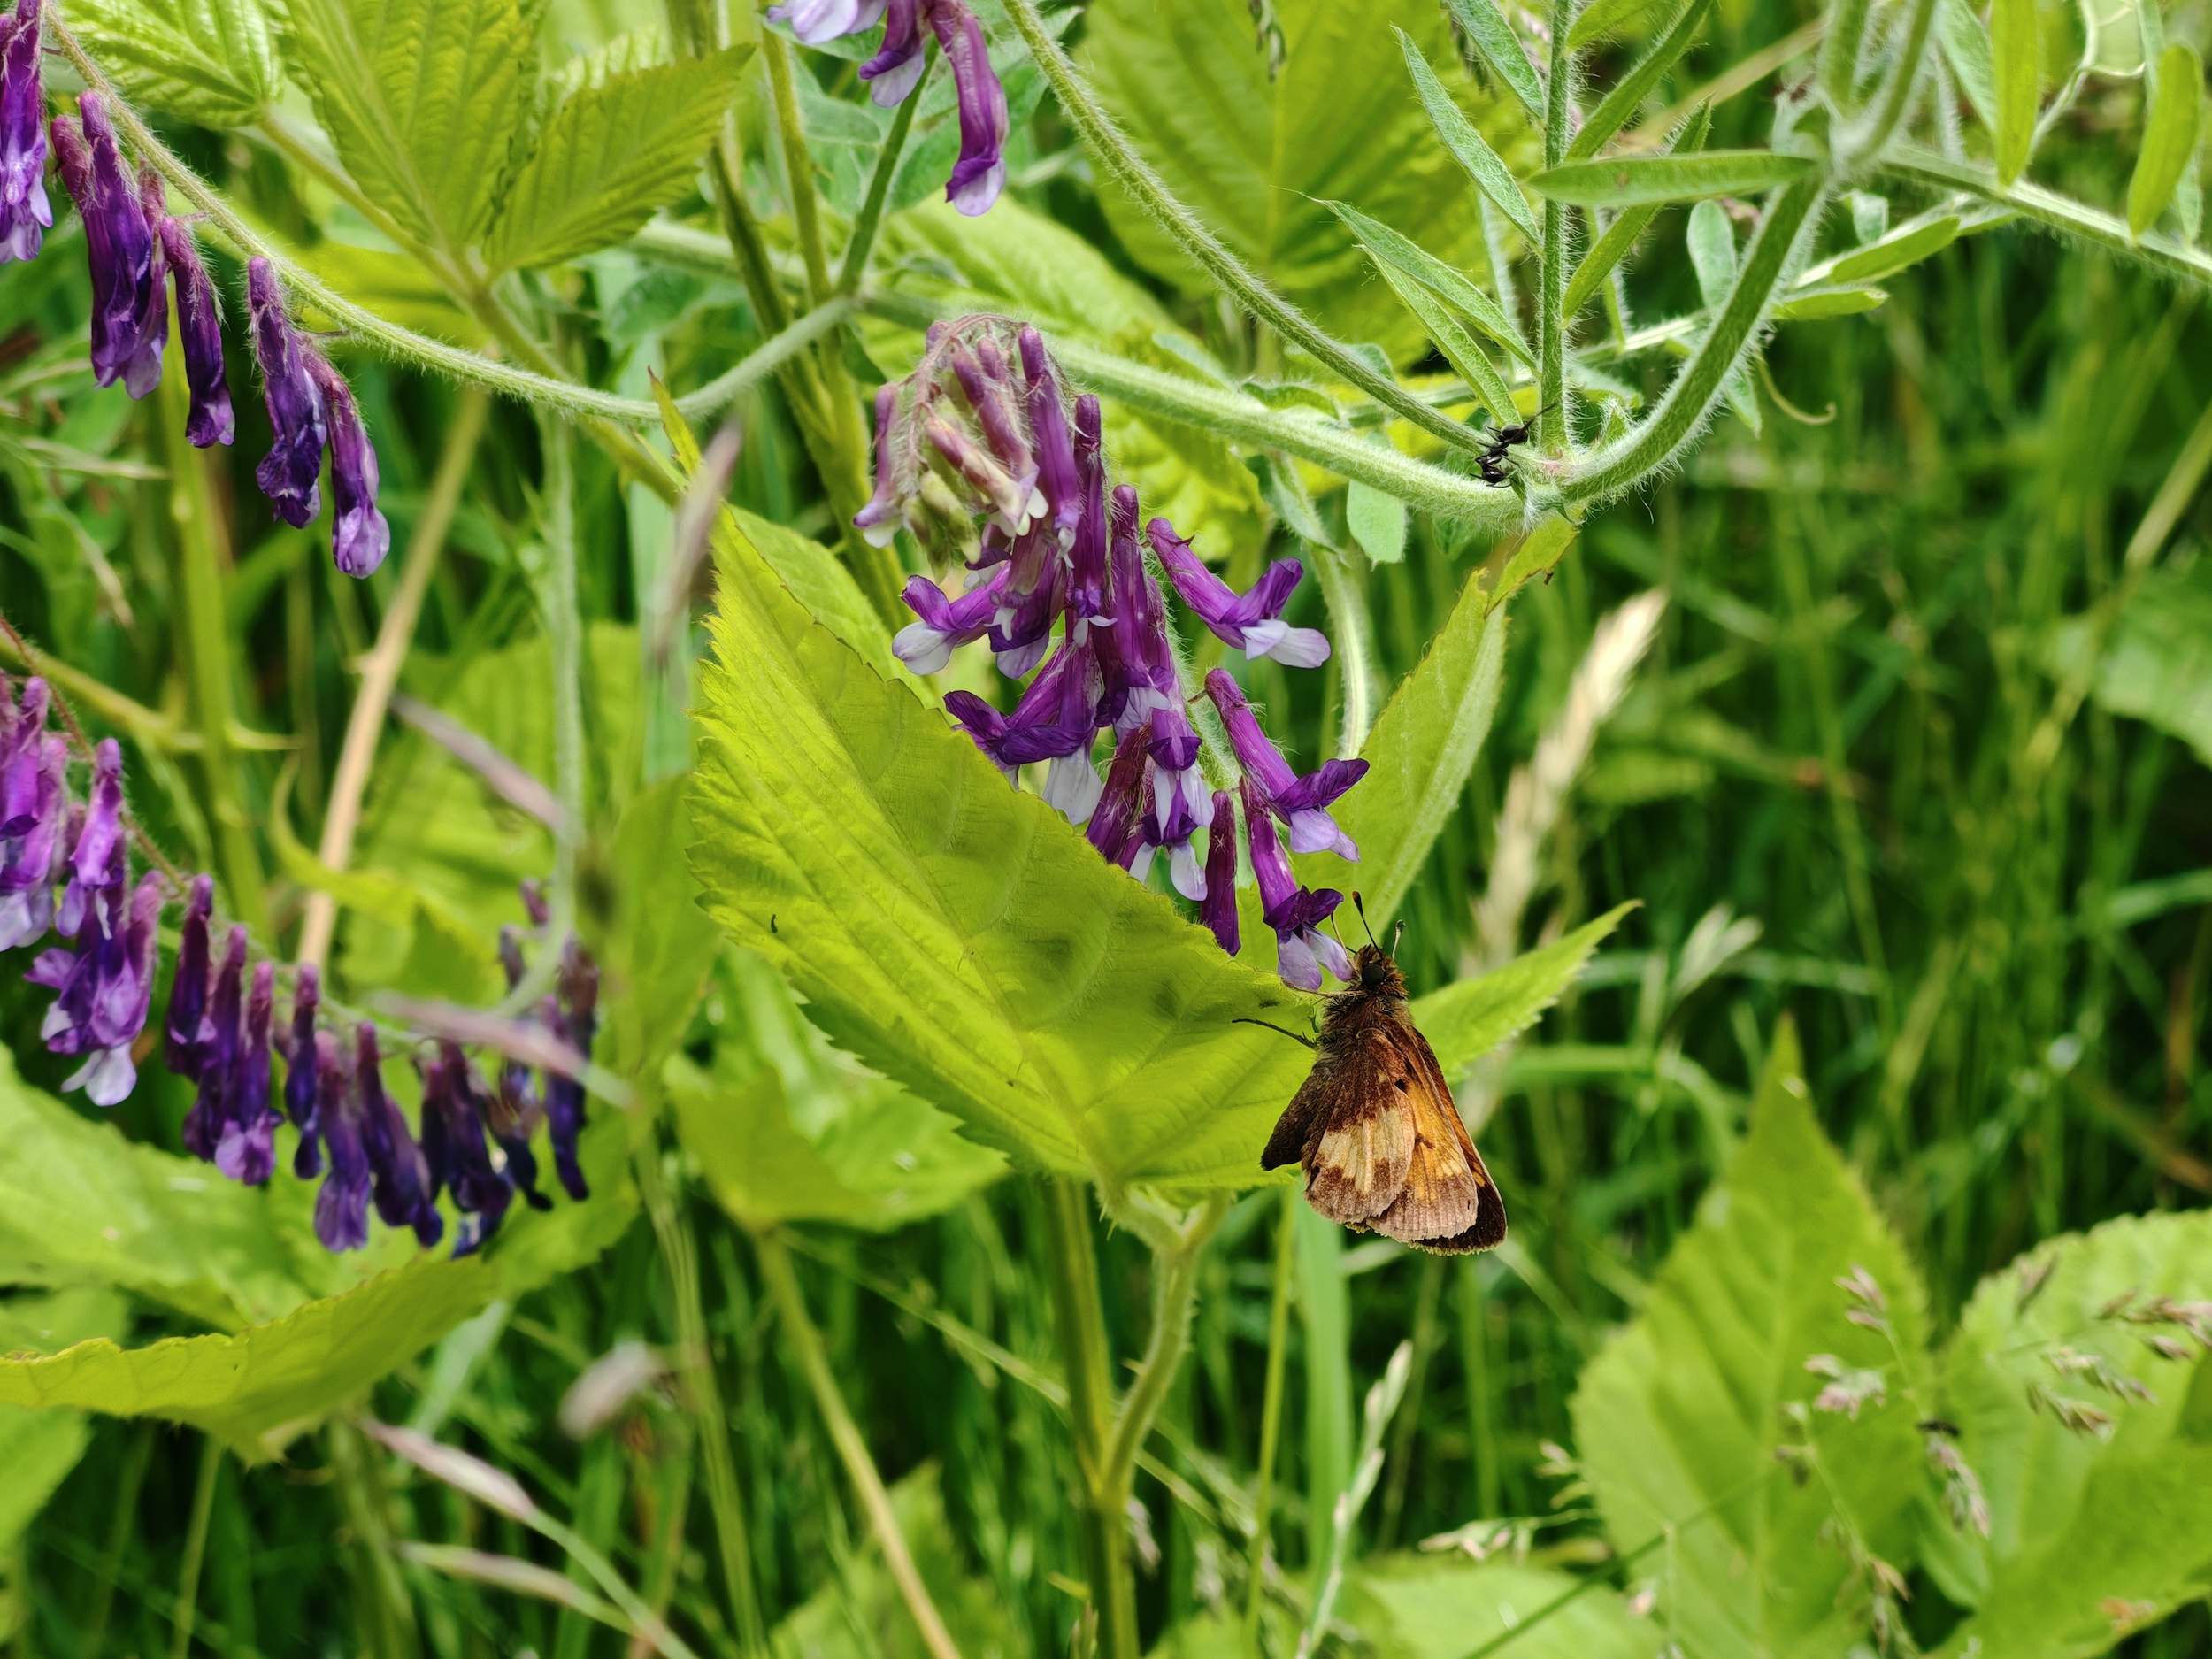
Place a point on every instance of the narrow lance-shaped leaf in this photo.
(1467, 1019)
(1712, 243)
(1965, 45)
(1613, 247)
(2015, 52)
(1602, 18)
(1908, 245)
(1467, 145)
(1500, 50)
(1389, 248)
(1628, 95)
(2169, 138)
(1458, 347)
(1633, 181)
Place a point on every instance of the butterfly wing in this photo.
(1448, 1204)
(1359, 1136)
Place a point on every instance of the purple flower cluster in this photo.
(896, 70)
(983, 430)
(65, 868)
(136, 252)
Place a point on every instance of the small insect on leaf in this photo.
(2169, 138)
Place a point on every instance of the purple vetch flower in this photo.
(979, 173)
(360, 537)
(1021, 628)
(247, 1151)
(454, 1145)
(1012, 500)
(200, 332)
(97, 868)
(576, 1019)
(1219, 910)
(341, 1206)
(1250, 622)
(1114, 827)
(1055, 720)
(153, 308)
(187, 1034)
(210, 1118)
(399, 1174)
(21, 758)
(1087, 553)
(926, 646)
(814, 22)
(103, 988)
(301, 1065)
(34, 812)
(1295, 913)
(288, 473)
(24, 212)
(516, 1107)
(1174, 817)
(897, 68)
(1058, 477)
(983, 377)
(1302, 804)
(878, 522)
(128, 299)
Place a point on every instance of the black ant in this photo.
(1492, 460)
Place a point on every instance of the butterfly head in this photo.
(1375, 974)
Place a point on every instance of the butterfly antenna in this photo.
(1264, 1026)
(1398, 933)
(1360, 905)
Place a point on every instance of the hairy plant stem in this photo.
(194, 1547)
(564, 634)
(862, 239)
(852, 1447)
(1858, 147)
(1333, 568)
(1135, 175)
(703, 1396)
(1270, 1417)
(380, 669)
(1551, 278)
(798, 163)
(202, 555)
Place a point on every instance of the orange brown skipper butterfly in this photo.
(1375, 1126)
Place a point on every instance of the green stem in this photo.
(194, 1547)
(703, 1395)
(1081, 1319)
(1355, 644)
(121, 1523)
(1270, 1417)
(384, 1604)
(798, 165)
(1174, 1291)
(1551, 279)
(565, 633)
(852, 1447)
(1135, 175)
(859, 246)
(205, 639)
(1858, 147)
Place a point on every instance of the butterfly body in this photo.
(1376, 1129)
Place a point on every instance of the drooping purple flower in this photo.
(814, 22)
(22, 759)
(515, 1108)
(187, 1033)
(575, 1017)
(360, 537)
(103, 988)
(926, 646)
(200, 332)
(1058, 478)
(1295, 913)
(1021, 627)
(983, 377)
(454, 1145)
(1011, 499)
(24, 212)
(302, 1062)
(879, 521)
(34, 812)
(1250, 622)
(246, 1152)
(1134, 651)
(128, 299)
(289, 473)
(210, 1117)
(1087, 554)
(153, 309)
(399, 1175)
(1180, 807)
(980, 171)
(1114, 826)
(1219, 910)
(897, 67)
(1302, 804)
(342, 1207)
(96, 858)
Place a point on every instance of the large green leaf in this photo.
(612, 151)
(1678, 1419)
(1255, 158)
(423, 99)
(2089, 1536)
(209, 61)
(1029, 266)
(661, 947)
(1467, 1019)
(957, 935)
(2169, 136)
(38, 1449)
(1418, 758)
(2154, 666)
(1432, 1608)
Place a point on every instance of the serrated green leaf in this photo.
(1030, 266)
(1427, 1607)
(2015, 58)
(1632, 181)
(661, 947)
(1418, 758)
(1613, 247)
(1620, 105)
(423, 100)
(957, 935)
(1908, 246)
(1459, 348)
(1255, 158)
(1388, 247)
(1965, 45)
(2080, 1524)
(1601, 18)
(1500, 51)
(612, 151)
(1812, 304)
(1376, 521)
(2169, 136)
(38, 1449)
(213, 62)
(1466, 1020)
(1467, 146)
(1676, 1419)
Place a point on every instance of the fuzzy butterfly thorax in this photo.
(1375, 1127)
